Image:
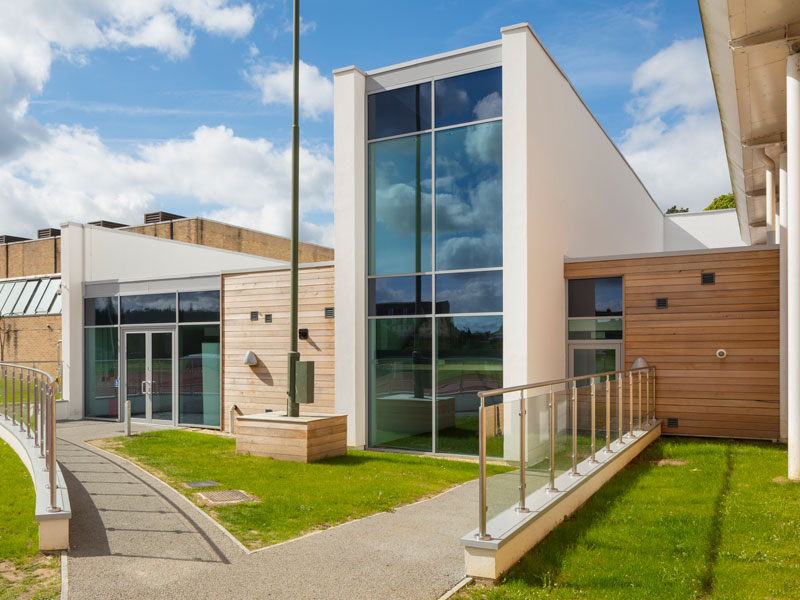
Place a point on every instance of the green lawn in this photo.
(724, 525)
(297, 498)
(24, 573)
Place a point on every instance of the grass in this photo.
(297, 498)
(723, 523)
(24, 573)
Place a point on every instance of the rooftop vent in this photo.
(49, 232)
(7, 239)
(160, 217)
(707, 278)
(107, 224)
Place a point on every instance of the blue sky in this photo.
(141, 105)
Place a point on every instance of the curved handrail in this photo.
(41, 413)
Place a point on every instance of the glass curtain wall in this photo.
(434, 260)
(101, 358)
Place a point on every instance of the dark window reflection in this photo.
(469, 359)
(100, 311)
(480, 291)
(400, 206)
(400, 296)
(197, 307)
(149, 308)
(595, 297)
(199, 375)
(101, 350)
(400, 383)
(470, 97)
(395, 112)
(469, 197)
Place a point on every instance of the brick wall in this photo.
(34, 257)
(31, 341)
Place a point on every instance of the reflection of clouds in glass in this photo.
(395, 208)
(471, 292)
(484, 143)
(464, 252)
(149, 302)
(394, 290)
(479, 324)
(488, 107)
(200, 301)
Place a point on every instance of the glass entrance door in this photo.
(149, 374)
(587, 359)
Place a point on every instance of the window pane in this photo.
(400, 206)
(395, 112)
(136, 373)
(37, 297)
(199, 375)
(469, 205)
(400, 383)
(101, 373)
(595, 297)
(480, 291)
(5, 290)
(469, 359)
(470, 97)
(197, 307)
(161, 376)
(400, 296)
(50, 298)
(149, 308)
(100, 311)
(588, 361)
(13, 296)
(595, 329)
(25, 297)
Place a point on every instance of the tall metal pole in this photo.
(292, 408)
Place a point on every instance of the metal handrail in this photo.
(620, 376)
(38, 410)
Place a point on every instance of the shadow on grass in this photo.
(544, 563)
(715, 535)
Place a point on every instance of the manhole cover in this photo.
(215, 498)
(201, 484)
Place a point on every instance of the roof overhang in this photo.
(748, 42)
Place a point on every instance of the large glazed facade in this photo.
(457, 200)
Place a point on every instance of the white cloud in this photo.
(74, 176)
(33, 33)
(275, 83)
(675, 144)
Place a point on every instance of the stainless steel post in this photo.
(5, 393)
(36, 388)
(43, 416)
(630, 399)
(522, 454)
(621, 413)
(647, 386)
(655, 396)
(608, 414)
(575, 429)
(52, 430)
(13, 395)
(552, 487)
(640, 400)
(594, 416)
(28, 404)
(127, 418)
(482, 471)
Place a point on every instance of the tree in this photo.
(674, 209)
(722, 202)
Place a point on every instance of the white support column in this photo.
(769, 196)
(793, 260)
(782, 233)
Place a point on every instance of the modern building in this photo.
(489, 233)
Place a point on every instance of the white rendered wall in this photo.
(567, 191)
(350, 227)
(699, 230)
(90, 253)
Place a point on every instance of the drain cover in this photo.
(215, 498)
(201, 484)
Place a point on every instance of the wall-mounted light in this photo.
(250, 359)
(302, 334)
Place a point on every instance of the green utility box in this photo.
(304, 382)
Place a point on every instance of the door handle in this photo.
(144, 383)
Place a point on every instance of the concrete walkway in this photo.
(134, 537)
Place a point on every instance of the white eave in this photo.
(747, 43)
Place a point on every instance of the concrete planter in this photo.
(307, 438)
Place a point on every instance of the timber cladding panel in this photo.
(738, 396)
(263, 386)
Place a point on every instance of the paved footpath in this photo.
(132, 536)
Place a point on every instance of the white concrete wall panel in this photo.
(700, 230)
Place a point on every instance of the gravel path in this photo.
(134, 537)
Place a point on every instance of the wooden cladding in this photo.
(263, 386)
(736, 396)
